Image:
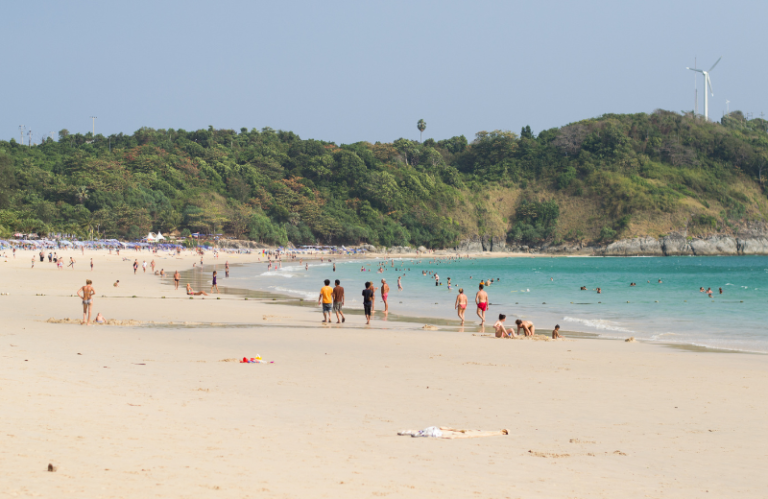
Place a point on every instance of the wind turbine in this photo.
(707, 86)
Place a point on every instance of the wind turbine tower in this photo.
(707, 86)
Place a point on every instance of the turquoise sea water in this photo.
(546, 291)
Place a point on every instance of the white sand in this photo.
(152, 412)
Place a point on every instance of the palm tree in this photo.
(421, 125)
(81, 193)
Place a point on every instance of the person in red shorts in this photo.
(481, 299)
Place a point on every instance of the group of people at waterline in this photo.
(332, 301)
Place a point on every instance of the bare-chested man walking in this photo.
(481, 299)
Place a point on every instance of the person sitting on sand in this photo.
(527, 327)
(100, 318)
(556, 333)
(501, 332)
(117, 284)
(192, 292)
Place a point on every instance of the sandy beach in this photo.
(165, 410)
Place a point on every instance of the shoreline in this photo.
(443, 324)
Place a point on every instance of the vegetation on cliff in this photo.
(597, 179)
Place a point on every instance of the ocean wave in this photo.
(598, 324)
(272, 273)
(307, 295)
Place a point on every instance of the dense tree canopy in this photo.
(272, 186)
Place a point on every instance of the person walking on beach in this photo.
(326, 298)
(91, 264)
(338, 301)
(461, 304)
(144, 266)
(368, 296)
(86, 294)
(71, 263)
(135, 266)
(176, 278)
(226, 268)
(481, 299)
(214, 285)
(527, 326)
(385, 295)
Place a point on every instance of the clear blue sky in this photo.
(365, 70)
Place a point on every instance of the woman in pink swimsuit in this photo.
(385, 294)
(461, 304)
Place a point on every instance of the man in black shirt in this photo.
(368, 301)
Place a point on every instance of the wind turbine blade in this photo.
(711, 90)
(715, 64)
(697, 70)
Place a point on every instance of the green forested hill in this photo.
(597, 179)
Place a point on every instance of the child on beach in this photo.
(214, 284)
(556, 332)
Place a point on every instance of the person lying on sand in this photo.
(556, 332)
(501, 332)
(192, 292)
(527, 326)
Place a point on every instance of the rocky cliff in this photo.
(752, 240)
